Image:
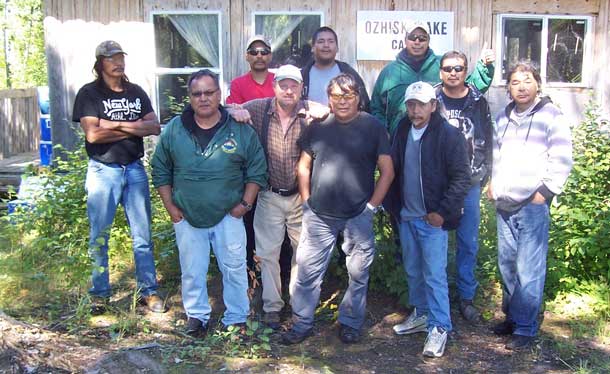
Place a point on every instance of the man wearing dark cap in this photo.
(115, 115)
(417, 62)
(258, 82)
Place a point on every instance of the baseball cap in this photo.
(258, 38)
(288, 72)
(420, 91)
(417, 24)
(108, 48)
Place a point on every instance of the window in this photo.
(558, 44)
(184, 43)
(290, 35)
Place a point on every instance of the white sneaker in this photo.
(435, 342)
(412, 324)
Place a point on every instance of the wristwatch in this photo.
(245, 204)
(370, 206)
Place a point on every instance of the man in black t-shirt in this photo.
(115, 115)
(465, 108)
(336, 175)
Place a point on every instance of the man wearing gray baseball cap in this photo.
(116, 115)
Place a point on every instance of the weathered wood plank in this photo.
(547, 6)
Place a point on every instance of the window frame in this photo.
(178, 71)
(544, 34)
(282, 13)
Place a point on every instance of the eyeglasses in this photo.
(209, 93)
(116, 59)
(420, 38)
(256, 51)
(457, 68)
(346, 96)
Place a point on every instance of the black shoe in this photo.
(520, 342)
(196, 328)
(469, 311)
(294, 337)
(99, 305)
(504, 328)
(272, 320)
(349, 335)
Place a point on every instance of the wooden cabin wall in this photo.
(74, 27)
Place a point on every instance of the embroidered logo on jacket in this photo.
(230, 146)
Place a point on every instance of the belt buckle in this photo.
(282, 191)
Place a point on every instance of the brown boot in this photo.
(154, 303)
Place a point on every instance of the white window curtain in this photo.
(278, 28)
(201, 32)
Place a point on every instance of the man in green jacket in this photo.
(417, 62)
(208, 169)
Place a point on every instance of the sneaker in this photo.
(435, 342)
(504, 328)
(294, 337)
(520, 342)
(241, 328)
(469, 311)
(349, 335)
(272, 320)
(412, 325)
(196, 328)
(154, 303)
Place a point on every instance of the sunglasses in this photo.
(209, 93)
(256, 51)
(457, 68)
(420, 38)
(346, 96)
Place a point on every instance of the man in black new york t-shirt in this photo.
(115, 115)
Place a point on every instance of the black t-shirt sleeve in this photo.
(383, 139)
(84, 105)
(146, 104)
(304, 141)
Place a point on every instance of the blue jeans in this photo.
(424, 255)
(228, 239)
(107, 186)
(467, 244)
(523, 238)
(318, 238)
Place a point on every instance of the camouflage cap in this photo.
(108, 48)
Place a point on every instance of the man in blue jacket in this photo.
(426, 199)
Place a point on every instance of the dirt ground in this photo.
(28, 348)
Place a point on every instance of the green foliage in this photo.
(25, 42)
(580, 233)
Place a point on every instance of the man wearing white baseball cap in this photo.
(426, 199)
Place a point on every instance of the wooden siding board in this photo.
(547, 6)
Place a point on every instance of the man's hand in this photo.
(238, 211)
(488, 56)
(538, 198)
(489, 192)
(175, 213)
(434, 219)
(238, 113)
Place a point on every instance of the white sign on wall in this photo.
(381, 34)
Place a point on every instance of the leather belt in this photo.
(283, 192)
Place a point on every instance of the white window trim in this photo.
(178, 71)
(285, 13)
(588, 46)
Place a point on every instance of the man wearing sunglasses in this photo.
(336, 174)
(208, 169)
(417, 62)
(465, 108)
(258, 82)
(324, 67)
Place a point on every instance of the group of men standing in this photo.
(302, 144)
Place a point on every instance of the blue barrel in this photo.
(45, 128)
(46, 153)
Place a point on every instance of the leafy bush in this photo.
(580, 229)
